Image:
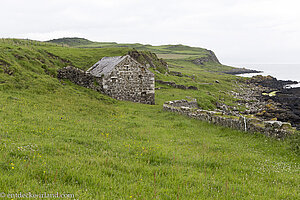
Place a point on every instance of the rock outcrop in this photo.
(270, 82)
(236, 71)
(210, 57)
(149, 59)
(280, 102)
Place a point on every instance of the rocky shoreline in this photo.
(289, 105)
(265, 98)
(272, 101)
(237, 71)
(271, 82)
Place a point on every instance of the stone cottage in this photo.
(124, 78)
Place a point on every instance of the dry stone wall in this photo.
(130, 81)
(275, 129)
(80, 77)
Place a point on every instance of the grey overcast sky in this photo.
(238, 31)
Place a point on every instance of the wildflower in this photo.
(130, 197)
(12, 167)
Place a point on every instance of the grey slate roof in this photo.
(105, 65)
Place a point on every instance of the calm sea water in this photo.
(279, 71)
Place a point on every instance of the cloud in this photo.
(238, 30)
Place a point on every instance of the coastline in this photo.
(287, 83)
(282, 103)
(277, 99)
(279, 71)
(239, 71)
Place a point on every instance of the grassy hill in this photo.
(163, 49)
(59, 137)
(172, 53)
(71, 41)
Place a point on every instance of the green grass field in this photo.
(163, 49)
(59, 137)
(174, 56)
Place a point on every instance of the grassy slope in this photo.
(175, 54)
(64, 138)
(164, 49)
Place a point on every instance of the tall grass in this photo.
(59, 137)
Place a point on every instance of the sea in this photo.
(279, 71)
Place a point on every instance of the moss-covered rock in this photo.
(149, 59)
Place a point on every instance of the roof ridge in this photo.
(105, 65)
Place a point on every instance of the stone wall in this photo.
(130, 81)
(80, 77)
(275, 129)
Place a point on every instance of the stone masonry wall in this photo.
(130, 81)
(81, 78)
(275, 129)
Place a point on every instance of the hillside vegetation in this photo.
(59, 137)
(164, 49)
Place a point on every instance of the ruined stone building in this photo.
(120, 77)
